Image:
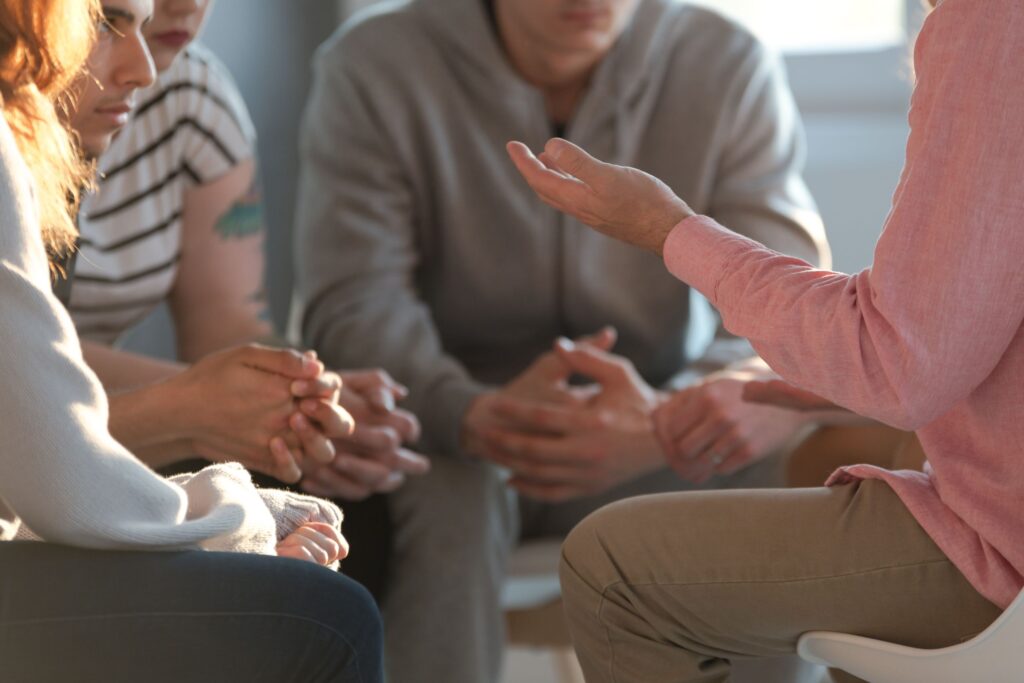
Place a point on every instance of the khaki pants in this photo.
(670, 588)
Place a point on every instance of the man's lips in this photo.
(173, 39)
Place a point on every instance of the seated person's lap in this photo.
(713, 575)
(72, 614)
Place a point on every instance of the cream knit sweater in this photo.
(61, 473)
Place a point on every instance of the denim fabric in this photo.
(68, 614)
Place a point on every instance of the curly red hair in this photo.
(44, 45)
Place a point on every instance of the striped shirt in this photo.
(190, 128)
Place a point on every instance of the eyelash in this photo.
(107, 27)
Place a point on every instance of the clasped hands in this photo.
(561, 441)
(282, 413)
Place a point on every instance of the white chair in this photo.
(994, 656)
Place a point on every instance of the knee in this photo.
(346, 612)
(352, 608)
(587, 559)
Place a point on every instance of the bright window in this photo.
(820, 25)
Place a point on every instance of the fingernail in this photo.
(300, 387)
(308, 406)
(564, 344)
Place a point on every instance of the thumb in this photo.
(603, 339)
(551, 368)
(592, 362)
(573, 160)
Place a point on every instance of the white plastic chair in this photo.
(994, 656)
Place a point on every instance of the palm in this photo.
(621, 202)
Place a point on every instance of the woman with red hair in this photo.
(79, 610)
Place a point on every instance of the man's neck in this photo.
(562, 77)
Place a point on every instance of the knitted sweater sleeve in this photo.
(61, 472)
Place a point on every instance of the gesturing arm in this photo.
(906, 340)
(758, 192)
(902, 342)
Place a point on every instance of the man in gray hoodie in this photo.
(421, 251)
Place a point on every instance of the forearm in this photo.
(826, 332)
(143, 414)
(121, 371)
(150, 423)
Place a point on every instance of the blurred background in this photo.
(848, 62)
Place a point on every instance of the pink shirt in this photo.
(931, 338)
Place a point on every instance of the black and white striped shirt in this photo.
(190, 128)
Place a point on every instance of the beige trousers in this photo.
(670, 588)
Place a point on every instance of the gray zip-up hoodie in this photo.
(420, 249)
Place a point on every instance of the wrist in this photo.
(473, 420)
(674, 213)
(148, 422)
(177, 408)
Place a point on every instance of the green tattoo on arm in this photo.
(245, 217)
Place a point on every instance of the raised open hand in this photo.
(619, 201)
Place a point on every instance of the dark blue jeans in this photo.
(78, 615)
